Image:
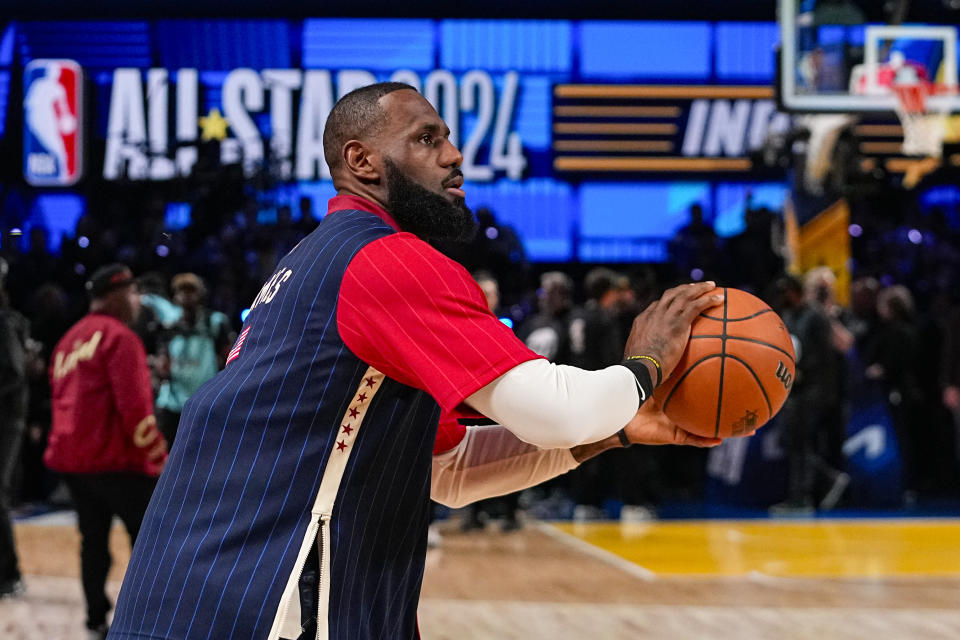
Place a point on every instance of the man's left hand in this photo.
(651, 425)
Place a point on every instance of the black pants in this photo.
(805, 416)
(11, 434)
(97, 498)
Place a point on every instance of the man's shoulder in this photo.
(113, 329)
(405, 254)
(343, 232)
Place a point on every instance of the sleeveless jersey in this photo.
(296, 498)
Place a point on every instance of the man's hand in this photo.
(650, 425)
(663, 329)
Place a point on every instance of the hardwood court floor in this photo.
(821, 579)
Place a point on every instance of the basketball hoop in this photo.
(924, 124)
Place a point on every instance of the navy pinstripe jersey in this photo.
(296, 498)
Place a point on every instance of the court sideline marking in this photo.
(603, 555)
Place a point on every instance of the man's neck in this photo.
(366, 194)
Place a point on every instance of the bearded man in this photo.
(296, 502)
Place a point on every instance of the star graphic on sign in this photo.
(370, 381)
(354, 413)
(341, 445)
(362, 397)
(213, 126)
(347, 429)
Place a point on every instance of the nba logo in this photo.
(52, 100)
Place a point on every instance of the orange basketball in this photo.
(736, 372)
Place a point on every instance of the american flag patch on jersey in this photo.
(235, 352)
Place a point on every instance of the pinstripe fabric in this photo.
(434, 330)
(230, 512)
(231, 522)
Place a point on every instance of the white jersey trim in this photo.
(286, 624)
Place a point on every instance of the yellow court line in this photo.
(817, 548)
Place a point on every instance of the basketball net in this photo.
(923, 128)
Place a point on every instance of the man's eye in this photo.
(426, 139)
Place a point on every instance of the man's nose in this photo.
(451, 156)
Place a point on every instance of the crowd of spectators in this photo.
(903, 322)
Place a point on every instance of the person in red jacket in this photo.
(104, 438)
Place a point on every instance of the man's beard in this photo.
(428, 215)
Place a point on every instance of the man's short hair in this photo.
(897, 299)
(819, 276)
(484, 275)
(557, 279)
(599, 281)
(356, 115)
(789, 282)
(188, 281)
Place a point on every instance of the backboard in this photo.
(843, 55)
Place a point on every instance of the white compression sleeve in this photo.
(556, 406)
(491, 461)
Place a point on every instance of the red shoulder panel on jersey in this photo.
(419, 317)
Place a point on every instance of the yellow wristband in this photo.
(656, 364)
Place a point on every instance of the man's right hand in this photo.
(663, 329)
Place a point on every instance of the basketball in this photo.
(736, 371)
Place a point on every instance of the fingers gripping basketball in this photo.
(736, 371)
(661, 330)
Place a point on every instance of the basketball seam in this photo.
(753, 340)
(723, 358)
(751, 316)
(763, 389)
(685, 374)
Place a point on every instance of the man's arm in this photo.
(556, 406)
(133, 396)
(420, 319)
(491, 461)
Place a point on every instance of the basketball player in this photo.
(296, 500)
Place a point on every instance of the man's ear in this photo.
(361, 161)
